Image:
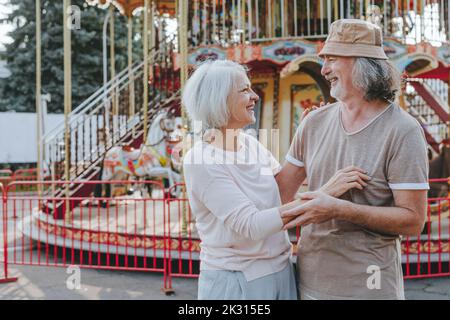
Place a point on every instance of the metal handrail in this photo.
(104, 91)
(95, 98)
(98, 124)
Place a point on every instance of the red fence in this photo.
(148, 230)
(124, 233)
(184, 257)
(4, 276)
(7, 176)
(428, 254)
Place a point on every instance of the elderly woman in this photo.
(245, 253)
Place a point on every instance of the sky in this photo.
(4, 28)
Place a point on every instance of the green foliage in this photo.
(18, 91)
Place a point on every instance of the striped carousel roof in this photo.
(127, 7)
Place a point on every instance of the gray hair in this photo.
(206, 93)
(378, 79)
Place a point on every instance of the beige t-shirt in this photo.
(335, 257)
(234, 198)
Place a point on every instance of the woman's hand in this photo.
(308, 110)
(305, 112)
(344, 180)
(286, 210)
(317, 207)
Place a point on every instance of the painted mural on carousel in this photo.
(284, 51)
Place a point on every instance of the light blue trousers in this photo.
(231, 285)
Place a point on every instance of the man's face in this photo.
(338, 71)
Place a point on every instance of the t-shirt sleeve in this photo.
(296, 154)
(408, 165)
(274, 164)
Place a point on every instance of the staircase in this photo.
(427, 101)
(112, 116)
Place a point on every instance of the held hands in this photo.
(320, 206)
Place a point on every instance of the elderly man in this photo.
(350, 247)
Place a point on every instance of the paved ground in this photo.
(51, 283)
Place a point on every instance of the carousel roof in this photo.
(127, 7)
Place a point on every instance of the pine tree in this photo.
(18, 91)
(20, 56)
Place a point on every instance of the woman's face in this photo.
(242, 102)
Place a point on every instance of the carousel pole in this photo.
(130, 66)
(112, 54)
(67, 102)
(183, 36)
(152, 42)
(152, 26)
(243, 23)
(283, 21)
(183, 32)
(448, 22)
(177, 12)
(106, 126)
(145, 80)
(38, 92)
(336, 9)
(269, 5)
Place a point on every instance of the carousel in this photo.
(116, 198)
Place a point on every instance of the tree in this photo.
(17, 92)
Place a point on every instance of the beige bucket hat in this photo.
(354, 38)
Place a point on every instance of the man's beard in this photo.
(336, 92)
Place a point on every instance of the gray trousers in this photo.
(231, 285)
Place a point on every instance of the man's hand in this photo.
(319, 208)
(344, 180)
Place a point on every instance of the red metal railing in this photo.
(183, 258)
(120, 233)
(154, 232)
(5, 176)
(4, 275)
(428, 254)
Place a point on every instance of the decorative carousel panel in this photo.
(201, 54)
(394, 49)
(443, 54)
(127, 7)
(283, 51)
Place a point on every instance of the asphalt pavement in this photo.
(58, 283)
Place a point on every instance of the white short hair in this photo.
(206, 93)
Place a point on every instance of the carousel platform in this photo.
(128, 226)
(150, 228)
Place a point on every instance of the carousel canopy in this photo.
(442, 72)
(127, 7)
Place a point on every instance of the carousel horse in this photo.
(374, 15)
(151, 160)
